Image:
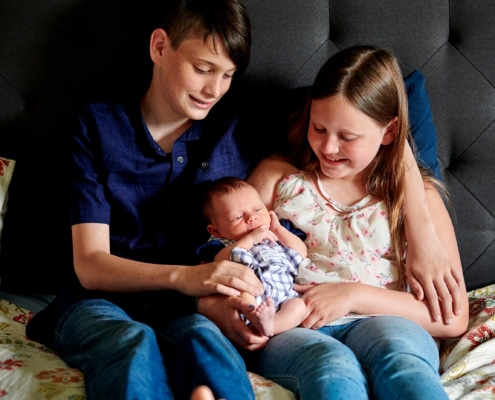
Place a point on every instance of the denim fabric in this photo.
(145, 363)
(383, 357)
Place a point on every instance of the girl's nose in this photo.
(331, 144)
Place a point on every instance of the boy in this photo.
(127, 317)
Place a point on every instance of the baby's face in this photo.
(239, 212)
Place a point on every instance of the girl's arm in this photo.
(267, 175)
(328, 302)
(432, 260)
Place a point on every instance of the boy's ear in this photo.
(158, 42)
(390, 133)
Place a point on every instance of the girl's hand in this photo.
(325, 302)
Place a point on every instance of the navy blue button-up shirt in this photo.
(151, 199)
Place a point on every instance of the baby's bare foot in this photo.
(262, 317)
(265, 313)
(202, 393)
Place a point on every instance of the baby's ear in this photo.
(390, 133)
(212, 230)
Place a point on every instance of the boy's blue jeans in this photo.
(125, 359)
(384, 357)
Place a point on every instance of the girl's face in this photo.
(344, 139)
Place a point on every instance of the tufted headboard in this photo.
(58, 54)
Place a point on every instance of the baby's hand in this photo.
(274, 223)
(261, 234)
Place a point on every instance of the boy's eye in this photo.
(201, 71)
(209, 71)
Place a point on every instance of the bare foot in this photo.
(202, 393)
(262, 317)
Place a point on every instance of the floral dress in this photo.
(354, 246)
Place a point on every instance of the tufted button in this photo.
(180, 159)
(204, 164)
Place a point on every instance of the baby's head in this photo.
(233, 208)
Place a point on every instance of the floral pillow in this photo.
(6, 171)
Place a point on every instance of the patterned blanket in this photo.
(29, 370)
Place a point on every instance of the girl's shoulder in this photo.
(295, 182)
(297, 177)
(268, 174)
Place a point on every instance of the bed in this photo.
(29, 370)
(58, 54)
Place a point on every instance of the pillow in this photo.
(6, 170)
(421, 122)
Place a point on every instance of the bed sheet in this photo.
(29, 370)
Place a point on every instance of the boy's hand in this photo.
(222, 277)
(226, 312)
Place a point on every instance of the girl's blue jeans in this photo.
(125, 359)
(383, 357)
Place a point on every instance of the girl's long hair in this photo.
(371, 80)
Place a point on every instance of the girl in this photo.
(350, 142)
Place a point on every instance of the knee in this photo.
(313, 350)
(196, 325)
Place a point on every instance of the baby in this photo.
(243, 230)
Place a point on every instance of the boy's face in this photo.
(238, 213)
(192, 78)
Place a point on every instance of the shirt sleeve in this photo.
(209, 250)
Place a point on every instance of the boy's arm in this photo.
(430, 269)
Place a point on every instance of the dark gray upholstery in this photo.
(56, 54)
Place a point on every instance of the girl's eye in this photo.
(319, 129)
(347, 138)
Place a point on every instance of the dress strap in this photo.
(340, 207)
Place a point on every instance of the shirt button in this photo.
(180, 159)
(204, 164)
